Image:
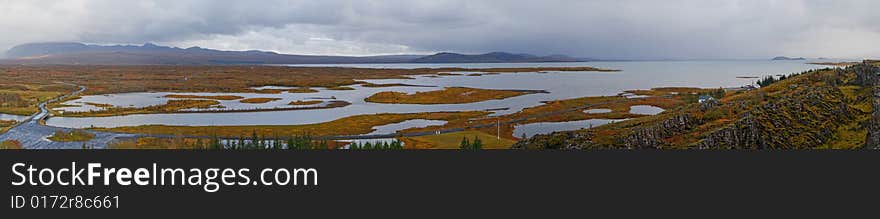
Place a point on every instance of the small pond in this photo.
(597, 111)
(645, 110)
(533, 129)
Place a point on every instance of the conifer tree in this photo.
(478, 144)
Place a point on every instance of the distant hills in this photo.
(151, 54)
(783, 58)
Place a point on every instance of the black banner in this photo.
(539, 184)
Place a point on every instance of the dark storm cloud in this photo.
(603, 28)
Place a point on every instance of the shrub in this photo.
(10, 144)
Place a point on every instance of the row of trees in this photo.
(768, 80)
(466, 144)
(295, 142)
(394, 145)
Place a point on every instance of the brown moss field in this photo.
(6, 124)
(121, 79)
(169, 107)
(353, 125)
(450, 95)
(73, 136)
(561, 111)
(304, 103)
(453, 140)
(22, 99)
(218, 97)
(259, 100)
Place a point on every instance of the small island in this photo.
(784, 58)
(449, 95)
(259, 100)
(304, 103)
(219, 97)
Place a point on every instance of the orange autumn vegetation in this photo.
(450, 95)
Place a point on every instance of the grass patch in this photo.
(217, 97)
(5, 125)
(100, 105)
(303, 103)
(216, 79)
(160, 143)
(302, 90)
(169, 107)
(453, 141)
(23, 99)
(10, 144)
(259, 100)
(269, 91)
(73, 136)
(353, 125)
(450, 95)
(389, 85)
(340, 88)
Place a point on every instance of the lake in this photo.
(533, 129)
(10, 117)
(560, 85)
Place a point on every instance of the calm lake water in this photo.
(645, 110)
(597, 111)
(560, 85)
(10, 117)
(413, 123)
(533, 129)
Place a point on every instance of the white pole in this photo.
(498, 126)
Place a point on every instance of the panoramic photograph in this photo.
(460, 75)
(442, 108)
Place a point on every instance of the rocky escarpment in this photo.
(798, 120)
(652, 137)
(872, 141)
(559, 141)
(867, 75)
(807, 116)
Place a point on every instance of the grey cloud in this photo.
(600, 28)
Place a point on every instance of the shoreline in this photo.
(330, 105)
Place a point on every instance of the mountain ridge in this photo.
(73, 53)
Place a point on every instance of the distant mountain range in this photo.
(151, 54)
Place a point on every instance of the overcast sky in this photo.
(600, 29)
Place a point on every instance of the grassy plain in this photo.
(169, 107)
(453, 141)
(5, 125)
(10, 144)
(353, 125)
(22, 99)
(122, 79)
(210, 97)
(73, 136)
(305, 103)
(259, 100)
(450, 95)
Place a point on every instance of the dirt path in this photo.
(32, 134)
